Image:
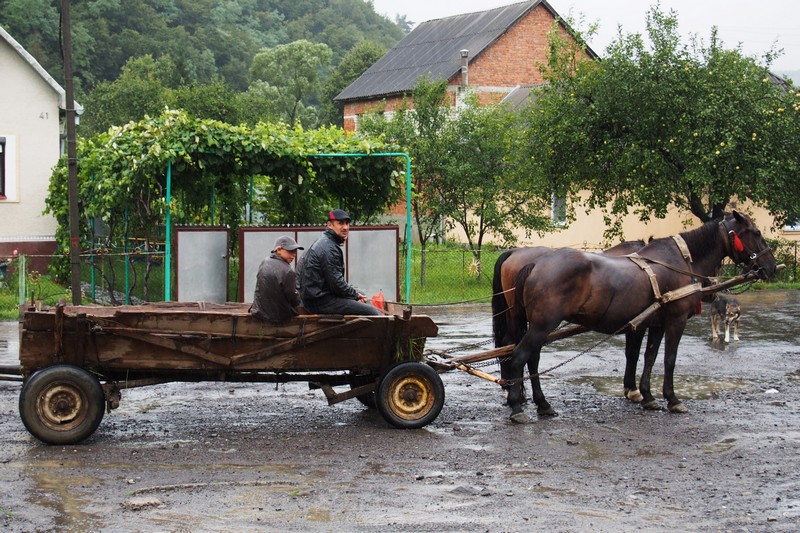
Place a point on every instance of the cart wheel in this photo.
(61, 404)
(410, 395)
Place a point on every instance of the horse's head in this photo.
(745, 245)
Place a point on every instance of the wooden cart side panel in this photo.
(112, 352)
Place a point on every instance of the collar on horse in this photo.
(644, 264)
(676, 294)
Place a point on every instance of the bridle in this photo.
(737, 250)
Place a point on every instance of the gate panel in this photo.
(202, 264)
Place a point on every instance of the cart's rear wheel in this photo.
(410, 395)
(61, 404)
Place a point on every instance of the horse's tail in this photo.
(517, 329)
(499, 305)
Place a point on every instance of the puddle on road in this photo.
(721, 446)
(686, 387)
(60, 495)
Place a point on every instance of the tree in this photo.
(483, 187)
(293, 72)
(141, 89)
(420, 132)
(696, 127)
(354, 63)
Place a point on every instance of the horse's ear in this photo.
(738, 216)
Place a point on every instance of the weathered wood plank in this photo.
(301, 341)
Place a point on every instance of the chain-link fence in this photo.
(440, 274)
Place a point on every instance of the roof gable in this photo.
(433, 48)
(39, 69)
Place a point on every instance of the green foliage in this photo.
(292, 72)
(484, 188)
(696, 127)
(419, 132)
(142, 89)
(353, 64)
(205, 38)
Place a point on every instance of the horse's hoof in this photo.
(651, 406)
(633, 395)
(678, 408)
(521, 418)
(546, 411)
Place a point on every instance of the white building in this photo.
(32, 138)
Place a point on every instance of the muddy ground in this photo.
(236, 457)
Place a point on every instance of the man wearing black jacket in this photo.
(323, 289)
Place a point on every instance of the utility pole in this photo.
(72, 157)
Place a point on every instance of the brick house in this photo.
(32, 138)
(495, 53)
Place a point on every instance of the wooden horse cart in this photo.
(75, 361)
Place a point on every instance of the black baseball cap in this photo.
(338, 214)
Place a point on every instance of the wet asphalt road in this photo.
(222, 457)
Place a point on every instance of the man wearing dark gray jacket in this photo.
(276, 297)
(323, 288)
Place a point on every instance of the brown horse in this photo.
(606, 294)
(509, 324)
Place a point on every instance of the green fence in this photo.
(442, 274)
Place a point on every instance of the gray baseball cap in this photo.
(287, 243)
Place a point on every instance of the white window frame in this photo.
(9, 176)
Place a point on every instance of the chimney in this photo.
(464, 68)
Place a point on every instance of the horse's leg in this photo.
(543, 408)
(633, 343)
(654, 336)
(673, 338)
(528, 348)
(511, 371)
(505, 369)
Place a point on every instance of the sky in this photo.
(757, 25)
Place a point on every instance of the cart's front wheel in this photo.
(410, 395)
(61, 404)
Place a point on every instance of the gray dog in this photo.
(727, 311)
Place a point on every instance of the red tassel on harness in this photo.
(737, 243)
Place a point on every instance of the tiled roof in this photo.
(433, 48)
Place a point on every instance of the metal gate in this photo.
(201, 264)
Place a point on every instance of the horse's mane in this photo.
(703, 238)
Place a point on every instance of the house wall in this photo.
(29, 115)
(514, 58)
(586, 232)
